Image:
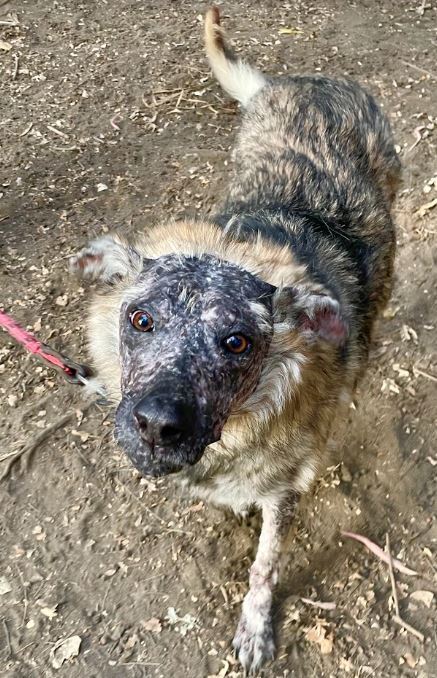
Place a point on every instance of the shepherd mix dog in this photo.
(230, 342)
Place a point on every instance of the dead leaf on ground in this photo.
(185, 623)
(319, 634)
(425, 597)
(409, 659)
(5, 586)
(49, 612)
(153, 625)
(65, 649)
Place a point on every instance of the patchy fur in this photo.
(300, 257)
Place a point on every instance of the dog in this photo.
(230, 343)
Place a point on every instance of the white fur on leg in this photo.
(254, 640)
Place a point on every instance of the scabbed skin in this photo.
(196, 304)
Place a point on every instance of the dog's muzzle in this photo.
(162, 433)
(163, 424)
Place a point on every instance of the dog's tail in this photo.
(237, 78)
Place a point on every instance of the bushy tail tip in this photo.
(240, 80)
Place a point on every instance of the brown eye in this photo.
(142, 321)
(237, 344)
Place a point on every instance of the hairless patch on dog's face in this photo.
(194, 333)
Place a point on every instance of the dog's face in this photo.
(194, 333)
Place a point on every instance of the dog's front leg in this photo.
(254, 640)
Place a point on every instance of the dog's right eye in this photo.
(142, 321)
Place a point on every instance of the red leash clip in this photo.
(73, 372)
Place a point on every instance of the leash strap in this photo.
(73, 372)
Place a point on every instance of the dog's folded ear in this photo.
(315, 315)
(108, 259)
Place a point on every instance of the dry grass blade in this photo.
(392, 576)
(379, 553)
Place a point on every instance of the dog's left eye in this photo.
(142, 321)
(237, 344)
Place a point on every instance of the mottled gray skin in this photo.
(196, 304)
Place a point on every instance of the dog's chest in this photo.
(226, 490)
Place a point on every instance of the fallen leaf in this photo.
(153, 625)
(65, 649)
(62, 300)
(409, 659)
(318, 634)
(185, 623)
(425, 597)
(49, 612)
(5, 586)
(110, 573)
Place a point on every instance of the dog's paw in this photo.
(101, 260)
(254, 642)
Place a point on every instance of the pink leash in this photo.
(72, 371)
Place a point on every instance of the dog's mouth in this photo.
(170, 450)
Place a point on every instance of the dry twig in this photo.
(26, 600)
(16, 67)
(398, 620)
(25, 454)
(397, 617)
(319, 603)
(421, 70)
(8, 638)
(392, 576)
(431, 377)
(379, 553)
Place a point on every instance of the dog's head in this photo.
(194, 333)
(199, 340)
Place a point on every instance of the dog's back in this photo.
(316, 169)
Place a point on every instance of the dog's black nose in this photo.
(163, 422)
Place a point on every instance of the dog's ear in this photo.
(108, 259)
(315, 315)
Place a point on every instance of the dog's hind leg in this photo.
(254, 640)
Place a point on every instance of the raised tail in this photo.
(237, 78)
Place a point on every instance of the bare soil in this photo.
(110, 119)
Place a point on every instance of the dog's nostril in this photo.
(161, 422)
(170, 433)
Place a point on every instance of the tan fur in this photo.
(274, 443)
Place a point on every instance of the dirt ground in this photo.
(110, 119)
